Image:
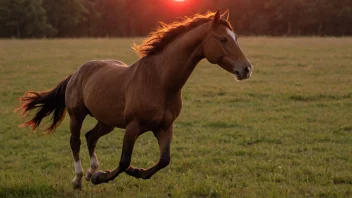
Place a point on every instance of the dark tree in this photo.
(116, 18)
(23, 18)
(65, 16)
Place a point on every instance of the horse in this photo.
(145, 96)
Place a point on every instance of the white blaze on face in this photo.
(232, 34)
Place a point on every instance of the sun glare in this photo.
(180, 7)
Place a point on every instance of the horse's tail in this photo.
(46, 103)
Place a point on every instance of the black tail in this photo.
(47, 102)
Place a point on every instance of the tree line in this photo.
(122, 18)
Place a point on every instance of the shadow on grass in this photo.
(223, 125)
(35, 190)
(319, 97)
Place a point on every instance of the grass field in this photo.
(286, 132)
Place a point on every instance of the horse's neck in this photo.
(179, 59)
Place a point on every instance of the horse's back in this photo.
(96, 70)
(100, 67)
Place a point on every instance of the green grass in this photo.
(286, 132)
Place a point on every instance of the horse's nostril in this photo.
(247, 69)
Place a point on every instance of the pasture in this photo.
(285, 132)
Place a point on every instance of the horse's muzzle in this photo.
(244, 74)
(241, 72)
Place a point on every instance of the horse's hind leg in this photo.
(76, 120)
(131, 134)
(164, 139)
(92, 138)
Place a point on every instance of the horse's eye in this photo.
(224, 40)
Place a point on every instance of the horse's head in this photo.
(220, 46)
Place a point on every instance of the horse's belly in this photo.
(109, 115)
(107, 106)
(158, 119)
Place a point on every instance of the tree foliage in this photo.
(65, 15)
(23, 18)
(76, 18)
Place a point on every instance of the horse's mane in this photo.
(166, 33)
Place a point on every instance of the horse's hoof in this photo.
(97, 177)
(88, 176)
(146, 176)
(136, 172)
(76, 185)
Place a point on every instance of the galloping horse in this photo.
(145, 96)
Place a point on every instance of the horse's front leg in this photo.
(164, 139)
(131, 134)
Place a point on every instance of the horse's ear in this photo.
(226, 15)
(216, 19)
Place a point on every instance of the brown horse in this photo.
(145, 96)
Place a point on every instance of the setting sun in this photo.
(179, 0)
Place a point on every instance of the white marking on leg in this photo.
(94, 164)
(78, 168)
(77, 181)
